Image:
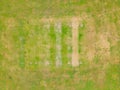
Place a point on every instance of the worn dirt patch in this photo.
(10, 23)
(90, 39)
(103, 45)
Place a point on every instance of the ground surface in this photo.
(59, 45)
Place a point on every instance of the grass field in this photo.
(59, 45)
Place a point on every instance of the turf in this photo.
(28, 49)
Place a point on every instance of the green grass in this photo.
(66, 34)
(112, 79)
(25, 43)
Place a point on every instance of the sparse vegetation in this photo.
(28, 50)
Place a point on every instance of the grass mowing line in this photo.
(22, 60)
(47, 37)
(75, 56)
(81, 28)
(52, 45)
(22, 43)
(66, 43)
(69, 45)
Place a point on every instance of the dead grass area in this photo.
(90, 39)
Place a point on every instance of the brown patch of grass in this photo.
(90, 39)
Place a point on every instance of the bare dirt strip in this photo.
(75, 56)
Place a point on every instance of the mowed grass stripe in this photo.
(66, 43)
(47, 40)
(22, 41)
(52, 45)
